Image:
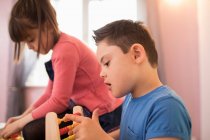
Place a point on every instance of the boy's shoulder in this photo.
(163, 93)
(161, 97)
(160, 93)
(157, 109)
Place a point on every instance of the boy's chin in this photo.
(117, 95)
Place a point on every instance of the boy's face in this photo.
(116, 68)
(33, 40)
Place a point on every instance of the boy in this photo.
(129, 63)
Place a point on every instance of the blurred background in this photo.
(181, 29)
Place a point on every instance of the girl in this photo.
(73, 71)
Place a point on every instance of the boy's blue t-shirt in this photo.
(159, 113)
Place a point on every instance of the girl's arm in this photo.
(13, 119)
(16, 126)
(65, 65)
(42, 99)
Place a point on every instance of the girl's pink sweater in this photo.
(76, 77)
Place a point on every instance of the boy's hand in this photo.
(88, 129)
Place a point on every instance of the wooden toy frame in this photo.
(52, 125)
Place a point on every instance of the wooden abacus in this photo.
(52, 131)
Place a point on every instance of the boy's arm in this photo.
(115, 134)
(169, 129)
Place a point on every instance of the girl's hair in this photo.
(31, 14)
(125, 33)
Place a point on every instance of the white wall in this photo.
(32, 94)
(204, 51)
(5, 43)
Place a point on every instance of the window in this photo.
(69, 16)
(102, 12)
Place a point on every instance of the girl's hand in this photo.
(13, 119)
(88, 129)
(16, 126)
(11, 129)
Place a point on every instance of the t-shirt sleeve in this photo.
(169, 118)
(65, 64)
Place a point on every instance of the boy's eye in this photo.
(107, 63)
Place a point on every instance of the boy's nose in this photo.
(102, 74)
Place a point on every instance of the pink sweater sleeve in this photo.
(65, 61)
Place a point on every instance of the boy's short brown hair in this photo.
(124, 33)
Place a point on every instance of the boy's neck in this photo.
(150, 82)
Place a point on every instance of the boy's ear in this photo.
(137, 53)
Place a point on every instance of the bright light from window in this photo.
(102, 12)
(69, 16)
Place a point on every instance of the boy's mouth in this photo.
(108, 85)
